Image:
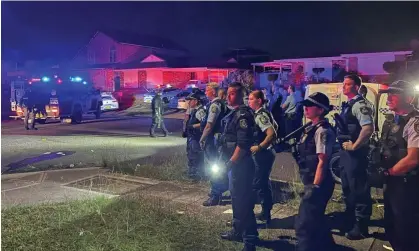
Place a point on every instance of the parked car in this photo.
(109, 102)
(179, 101)
(168, 94)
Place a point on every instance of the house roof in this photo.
(141, 39)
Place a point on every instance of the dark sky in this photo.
(285, 29)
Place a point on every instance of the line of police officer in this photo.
(237, 138)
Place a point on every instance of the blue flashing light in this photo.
(45, 79)
(76, 79)
(84, 82)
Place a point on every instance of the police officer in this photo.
(194, 151)
(157, 110)
(264, 158)
(239, 127)
(400, 162)
(211, 127)
(315, 149)
(357, 115)
(28, 103)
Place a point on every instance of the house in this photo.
(115, 59)
(325, 69)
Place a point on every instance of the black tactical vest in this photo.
(308, 159)
(350, 120)
(217, 127)
(259, 135)
(393, 145)
(229, 124)
(196, 132)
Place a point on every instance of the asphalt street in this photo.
(86, 144)
(56, 145)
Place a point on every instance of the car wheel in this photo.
(166, 100)
(334, 166)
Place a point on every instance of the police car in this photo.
(167, 94)
(109, 102)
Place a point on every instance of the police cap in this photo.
(193, 95)
(317, 99)
(400, 87)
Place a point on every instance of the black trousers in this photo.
(264, 161)
(401, 215)
(195, 157)
(311, 228)
(244, 221)
(29, 120)
(155, 123)
(356, 190)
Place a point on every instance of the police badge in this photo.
(395, 128)
(365, 110)
(416, 126)
(243, 123)
(263, 119)
(323, 138)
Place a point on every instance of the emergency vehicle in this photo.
(67, 100)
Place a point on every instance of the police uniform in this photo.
(214, 114)
(239, 127)
(264, 160)
(356, 113)
(311, 227)
(194, 152)
(401, 202)
(28, 104)
(157, 117)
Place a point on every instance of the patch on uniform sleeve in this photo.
(213, 109)
(243, 123)
(416, 126)
(323, 138)
(366, 110)
(264, 120)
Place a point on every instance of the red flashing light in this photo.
(30, 82)
(36, 79)
(59, 81)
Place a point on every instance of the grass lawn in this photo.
(110, 224)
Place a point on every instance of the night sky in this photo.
(285, 29)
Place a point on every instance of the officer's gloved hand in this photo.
(310, 191)
(202, 144)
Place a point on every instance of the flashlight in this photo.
(215, 168)
(417, 88)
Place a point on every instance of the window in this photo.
(193, 75)
(112, 56)
(91, 57)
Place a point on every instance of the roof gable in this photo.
(152, 58)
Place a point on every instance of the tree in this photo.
(242, 76)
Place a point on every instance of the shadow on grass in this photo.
(110, 224)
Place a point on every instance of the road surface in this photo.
(91, 143)
(86, 144)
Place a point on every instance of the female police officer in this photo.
(266, 128)
(315, 149)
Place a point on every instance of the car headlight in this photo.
(417, 88)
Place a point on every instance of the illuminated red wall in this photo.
(177, 79)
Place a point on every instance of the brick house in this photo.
(133, 61)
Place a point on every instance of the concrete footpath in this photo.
(70, 184)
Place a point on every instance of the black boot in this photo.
(231, 236)
(249, 247)
(212, 201)
(359, 231)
